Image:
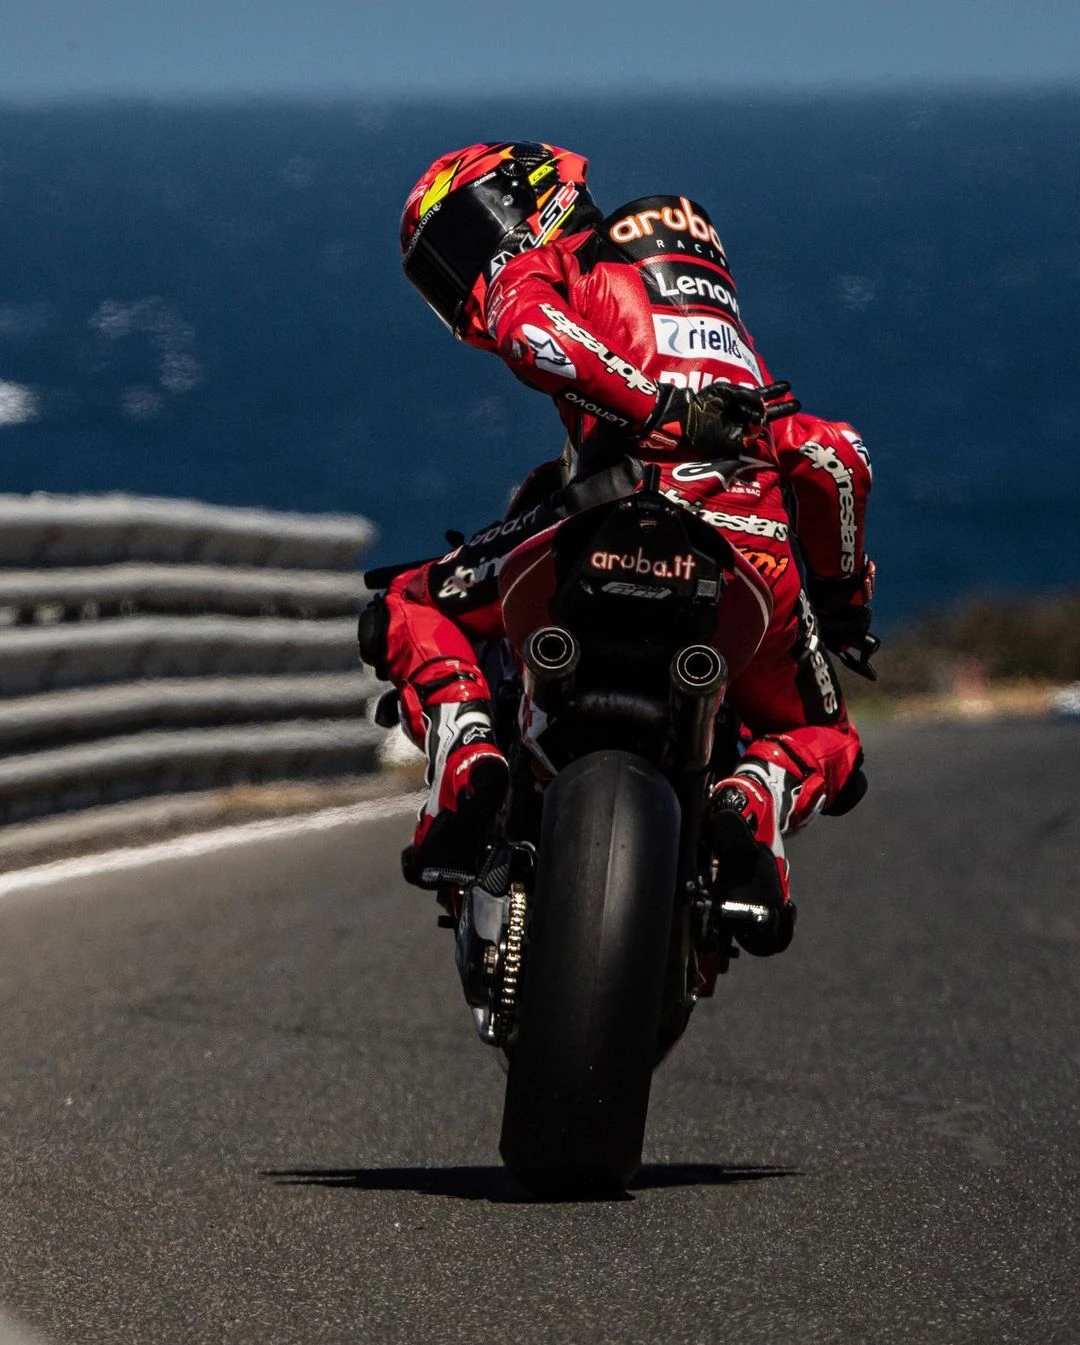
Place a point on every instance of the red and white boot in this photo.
(468, 778)
(742, 828)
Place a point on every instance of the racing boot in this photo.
(467, 777)
(741, 826)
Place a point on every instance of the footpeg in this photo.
(745, 910)
(446, 878)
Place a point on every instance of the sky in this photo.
(62, 49)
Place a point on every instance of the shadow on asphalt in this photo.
(498, 1186)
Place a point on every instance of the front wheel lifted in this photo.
(577, 1095)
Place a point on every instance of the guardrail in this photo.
(53, 530)
(153, 646)
(88, 653)
(48, 596)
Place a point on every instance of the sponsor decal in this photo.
(753, 525)
(860, 448)
(629, 373)
(466, 577)
(674, 567)
(474, 567)
(549, 355)
(703, 338)
(748, 489)
(701, 471)
(687, 285)
(512, 525)
(724, 470)
(695, 379)
(680, 218)
(819, 664)
(825, 458)
(766, 564)
(593, 408)
(633, 591)
(550, 218)
(495, 302)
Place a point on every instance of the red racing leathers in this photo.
(600, 322)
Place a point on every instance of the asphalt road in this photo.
(241, 1098)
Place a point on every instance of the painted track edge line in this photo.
(205, 843)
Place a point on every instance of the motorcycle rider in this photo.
(632, 325)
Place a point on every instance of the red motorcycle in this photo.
(595, 918)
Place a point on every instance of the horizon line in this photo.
(892, 86)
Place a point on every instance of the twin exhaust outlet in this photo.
(551, 656)
(698, 680)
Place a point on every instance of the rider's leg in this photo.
(445, 707)
(434, 616)
(804, 756)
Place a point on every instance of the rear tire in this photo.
(577, 1095)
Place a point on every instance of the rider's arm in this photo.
(551, 346)
(827, 467)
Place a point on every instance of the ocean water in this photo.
(205, 300)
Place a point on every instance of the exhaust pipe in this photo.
(551, 656)
(698, 682)
(698, 670)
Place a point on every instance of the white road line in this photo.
(10, 1334)
(205, 843)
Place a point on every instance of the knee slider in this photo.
(372, 634)
(852, 793)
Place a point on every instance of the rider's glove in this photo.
(721, 418)
(844, 613)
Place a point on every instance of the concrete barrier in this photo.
(136, 765)
(60, 718)
(90, 653)
(151, 646)
(48, 596)
(50, 530)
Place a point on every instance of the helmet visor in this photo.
(458, 238)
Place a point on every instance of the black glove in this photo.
(844, 613)
(719, 419)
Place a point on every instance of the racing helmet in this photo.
(476, 208)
